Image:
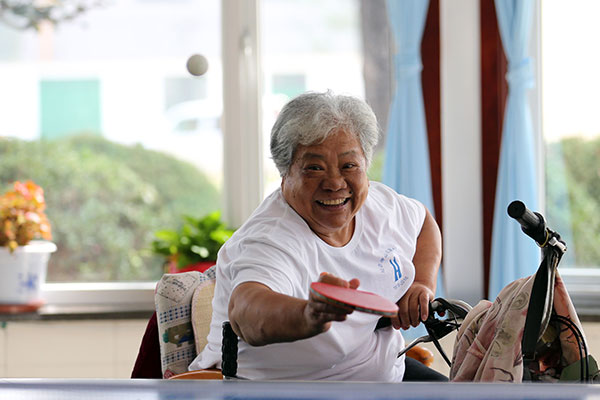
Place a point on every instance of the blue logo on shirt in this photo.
(397, 271)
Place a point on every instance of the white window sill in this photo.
(100, 293)
(116, 300)
(583, 285)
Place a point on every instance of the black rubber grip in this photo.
(532, 223)
(229, 350)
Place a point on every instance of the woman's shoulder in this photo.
(385, 194)
(384, 199)
(274, 221)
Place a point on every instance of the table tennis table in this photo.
(95, 389)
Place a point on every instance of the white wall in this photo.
(70, 349)
(461, 149)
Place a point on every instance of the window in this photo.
(101, 112)
(326, 33)
(571, 127)
(571, 131)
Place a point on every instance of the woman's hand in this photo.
(319, 314)
(413, 307)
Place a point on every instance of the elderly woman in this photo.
(326, 223)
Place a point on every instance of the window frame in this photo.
(582, 285)
(100, 296)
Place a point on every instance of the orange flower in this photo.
(22, 215)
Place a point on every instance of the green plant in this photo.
(199, 239)
(22, 216)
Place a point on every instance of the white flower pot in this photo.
(23, 272)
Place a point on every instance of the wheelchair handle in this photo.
(532, 223)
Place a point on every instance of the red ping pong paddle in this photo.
(357, 299)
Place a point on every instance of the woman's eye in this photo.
(314, 168)
(349, 165)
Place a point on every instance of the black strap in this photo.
(540, 306)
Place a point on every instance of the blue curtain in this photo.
(514, 255)
(406, 168)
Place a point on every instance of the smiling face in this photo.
(327, 184)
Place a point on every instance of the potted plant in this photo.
(195, 245)
(23, 260)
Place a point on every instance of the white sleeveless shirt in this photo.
(276, 247)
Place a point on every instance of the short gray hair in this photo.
(311, 117)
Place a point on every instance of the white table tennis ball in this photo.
(197, 65)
